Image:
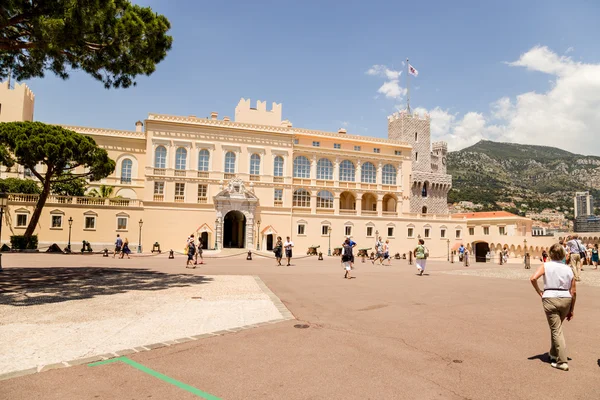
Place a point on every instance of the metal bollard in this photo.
(171, 255)
(320, 256)
(501, 258)
(105, 251)
(452, 258)
(410, 258)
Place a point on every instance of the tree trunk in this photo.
(35, 217)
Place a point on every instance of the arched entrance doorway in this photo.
(481, 250)
(234, 230)
(204, 237)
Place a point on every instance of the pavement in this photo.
(454, 333)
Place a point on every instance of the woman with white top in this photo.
(558, 299)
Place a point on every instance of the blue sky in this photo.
(313, 56)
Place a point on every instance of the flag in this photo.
(412, 70)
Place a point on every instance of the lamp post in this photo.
(448, 242)
(329, 233)
(3, 204)
(140, 238)
(216, 242)
(258, 235)
(70, 225)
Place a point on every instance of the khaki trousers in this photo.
(556, 309)
(575, 264)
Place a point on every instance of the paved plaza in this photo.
(238, 329)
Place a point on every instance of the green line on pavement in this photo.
(158, 375)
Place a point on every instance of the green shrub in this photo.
(20, 242)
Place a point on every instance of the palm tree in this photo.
(105, 191)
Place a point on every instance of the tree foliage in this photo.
(104, 192)
(67, 186)
(112, 40)
(17, 185)
(65, 156)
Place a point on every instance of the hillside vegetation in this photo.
(536, 176)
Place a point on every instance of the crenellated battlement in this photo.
(404, 114)
(17, 102)
(244, 112)
(439, 148)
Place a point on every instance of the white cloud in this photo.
(565, 115)
(391, 87)
(570, 50)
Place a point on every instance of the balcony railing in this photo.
(228, 176)
(159, 197)
(255, 178)
(390, 213)
(202, 200)
(202, 174)
(180, 172)
(82, 200)
(278, 179)
(125, 181)
(278, 203)
(179, 199)
(160, 171)
(347, 212)
(368, 212)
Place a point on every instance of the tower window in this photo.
(416, 156)
(416, 137)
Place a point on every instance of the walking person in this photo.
(199, 251)
(378, 251)
(461, 252)
(118, 245)
(420, 252)
(278, 250)
(386, 252)
(352, 244)
(595, 256)
(191, 251)
(558, 300)
(288, 245)
(574, 256)
(347, 257)
(466, 258)
(125, 249)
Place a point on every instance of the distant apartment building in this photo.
(584, 204)
(587, 223)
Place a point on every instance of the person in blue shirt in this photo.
(461, 252)
(118, 245)
(352, 244)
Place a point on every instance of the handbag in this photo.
(582, 253)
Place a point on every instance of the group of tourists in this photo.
(193, 251)
(280, 248)
(121, 247)
(382, 252)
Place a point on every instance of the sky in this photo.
(513, 71)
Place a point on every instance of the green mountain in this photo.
(537, 176)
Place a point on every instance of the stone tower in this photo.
(16, 104)
(429, 182)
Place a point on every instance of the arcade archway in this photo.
(234, 230)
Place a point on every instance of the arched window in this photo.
(368, 173)
(254, 164)
(347, 171)
(126, 166)
(278, 166)
(181, 158)
(301, 198)
(160, 157)
(301, 167)
(424, 190)
(324, 169)
(324, 199)
(388, 174)
(424, 210)
(230, 162)
(203, 160)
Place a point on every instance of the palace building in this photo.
(241, 182)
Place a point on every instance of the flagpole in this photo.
(407, 88)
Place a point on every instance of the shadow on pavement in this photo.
(545, 357)
(34, 286)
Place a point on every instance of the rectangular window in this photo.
(301, 229)
(426, 232)
(337, 146)
(316, 144)
(324, 230)
(390, 231)
(121, 223)
(443, 233)
(376, 150)
(471, 231)
(90, 222)
(398, 152)
(411, 232)
(179, 192)
(202, 193)
(369, 231)
(348, 230)
(57, 221)
(296, 141)
(159, 188)
(21, 220)
(502, 230)
(486, 230)
(458, 233)
(356, 148)
(278, 197)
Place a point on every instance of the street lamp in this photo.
(257, 235)
(3, 204)
(448, 242)
(70, 225)
(216, 242)
(140, 238)
(329, 232)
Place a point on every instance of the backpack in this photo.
(425, 251)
